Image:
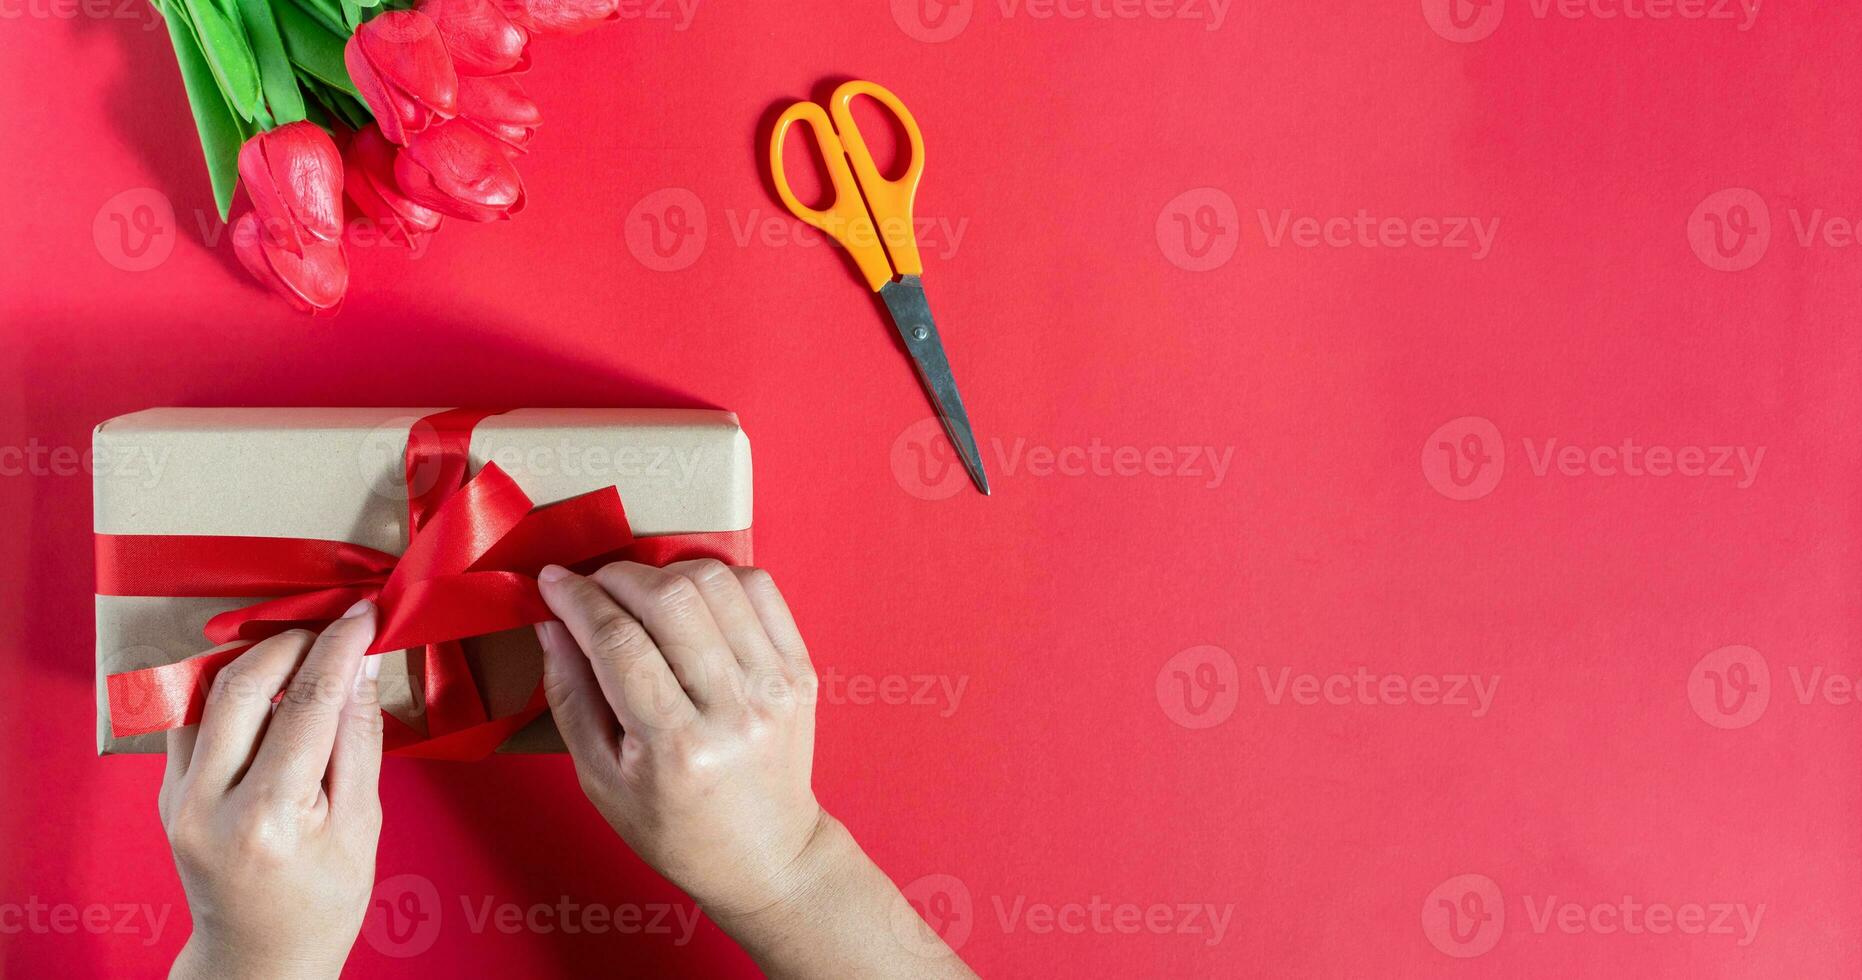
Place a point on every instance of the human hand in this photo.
(691, 722)
(274, 815)
(687, 700)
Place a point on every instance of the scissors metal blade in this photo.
(905, 299)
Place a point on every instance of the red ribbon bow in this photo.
(474, 549)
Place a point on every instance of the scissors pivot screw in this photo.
(921, 333)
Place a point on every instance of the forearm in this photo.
(844, 918)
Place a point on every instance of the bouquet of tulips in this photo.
(421, 96)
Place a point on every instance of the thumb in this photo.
(587, 724)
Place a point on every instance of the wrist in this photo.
(209, 955)
(820, 872)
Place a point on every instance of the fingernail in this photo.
(359, 609)
(552, 573)
(366, 675)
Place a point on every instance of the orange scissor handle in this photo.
(858, 185)
(890, 200)
(845, 218)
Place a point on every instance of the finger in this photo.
(588, 726)
(778, 623)
(180, 745)
(680, 623)
(354, 780)
(296, 750)
(239, 706)
(180, 751)
(634, 677)
(724, 595)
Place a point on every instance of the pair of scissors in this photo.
(871, 217)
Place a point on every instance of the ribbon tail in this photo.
(157, 699)
(476, 742)
(451, 694)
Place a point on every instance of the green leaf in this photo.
(352, 13)
(323, 14)
(339, 106)
(350, 109)
(224, 45)
(275, 75)
(313, 108)
(220, 132)
(314, 47)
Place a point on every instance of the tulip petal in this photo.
(497, 106)
(457, 170)
(370, 181)
(312, 283)
(481, 39)
(295, 179)
(566, 16)
(403, 71)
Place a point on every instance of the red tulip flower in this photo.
(369, 169)
(313, 282)
(497, 106)
(402, 68)
(455, 169)
(482, 40)
(295, 178)
(559, 16)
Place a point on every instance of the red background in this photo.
(1059, 146)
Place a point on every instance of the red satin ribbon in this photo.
(475, 546)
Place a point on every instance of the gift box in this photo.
(217, 527)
